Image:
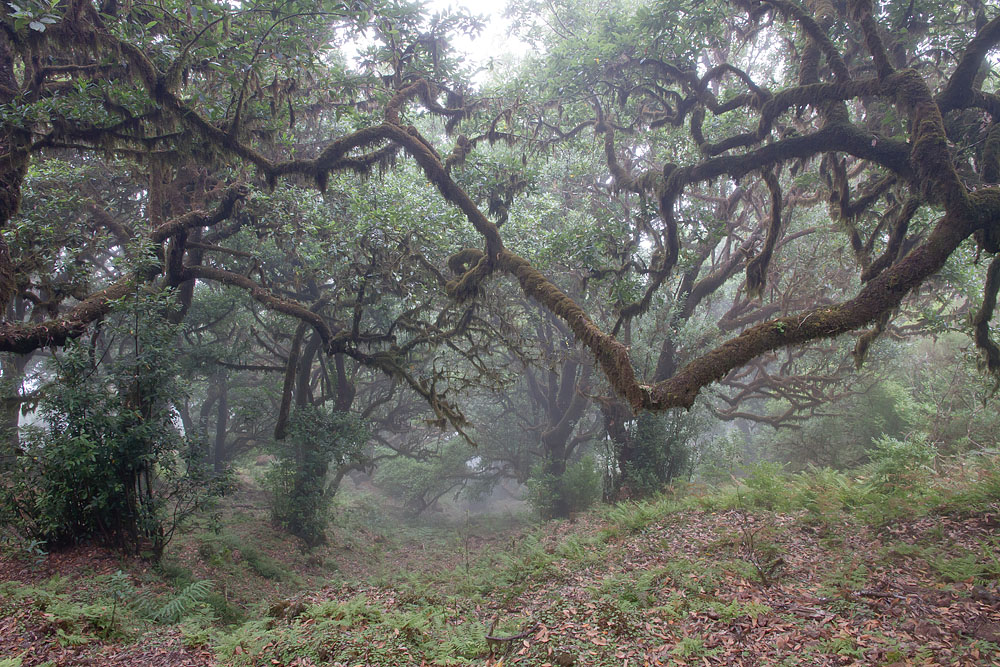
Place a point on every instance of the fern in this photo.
(145, 605)
(177, 607)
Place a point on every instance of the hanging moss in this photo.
(930, 157)
(459, 153)
(865, 341)
(472, 268)
(959, 91)
(985, 203)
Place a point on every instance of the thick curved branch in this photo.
(263, 296)
(757, 267)
(959, 91)
(838, 137)
(194, 219)
(880, 295)
(435, 171)
(896, 237)
(862, 10)
(23, 339)
(611, 354)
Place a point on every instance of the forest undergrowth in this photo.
(815, 568)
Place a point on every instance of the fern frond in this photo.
(178, 607)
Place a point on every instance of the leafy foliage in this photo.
(107, 461)
(898, 464)
(660, 450)
(886, 409)
(575, 490)
(181, 604)
(420, 483)
(316, 439)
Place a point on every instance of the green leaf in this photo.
(37, 25)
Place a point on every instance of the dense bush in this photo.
(420, 483)
(766, 483)
(316, 439)
(658, 450)
(718, 460)
(901, 463)
(105, 460)
(844, 439)
(575, 490)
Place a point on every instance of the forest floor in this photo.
(813, 569)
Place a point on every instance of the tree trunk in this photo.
(220, 453)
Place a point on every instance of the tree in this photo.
(315, 439)
(854, 128)
(210, 114)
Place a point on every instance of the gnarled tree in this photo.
(902, 134)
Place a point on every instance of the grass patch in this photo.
(626, 577)
(980, 567)
(689, 648)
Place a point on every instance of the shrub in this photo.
(826, 493)
(179, 606)
(107, 462)
(420, 483)
(316, 438)
(766, 484)
(575, 490)
(900, 464)
(719, 459)
(658, 450)
(844, 441)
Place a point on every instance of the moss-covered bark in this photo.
(981, 321)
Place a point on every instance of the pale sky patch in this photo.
(493, 41)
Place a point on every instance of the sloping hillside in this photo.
(814, 569)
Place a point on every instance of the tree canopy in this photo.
(660, 176)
